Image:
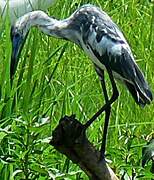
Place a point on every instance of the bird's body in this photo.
(17, 8)
(101, 39)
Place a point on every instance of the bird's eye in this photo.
(17, 35)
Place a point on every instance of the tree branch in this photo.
(70, 139)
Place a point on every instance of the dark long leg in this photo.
(107, 111)
(105, 107)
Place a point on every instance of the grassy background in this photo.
(55, 78)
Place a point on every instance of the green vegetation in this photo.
(55, 78)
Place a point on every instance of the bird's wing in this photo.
(105, 44)
(107, 47)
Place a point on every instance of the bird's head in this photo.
(18, 36)
(19, 32)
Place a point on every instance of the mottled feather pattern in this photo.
(101, 39)
(106, 45)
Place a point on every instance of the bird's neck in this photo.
(48, 25)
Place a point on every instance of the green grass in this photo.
(55, 78)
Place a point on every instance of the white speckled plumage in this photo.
(101, 39)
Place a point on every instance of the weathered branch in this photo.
(70, 139)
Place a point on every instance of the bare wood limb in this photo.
(70, 139)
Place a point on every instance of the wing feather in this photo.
(118, 56)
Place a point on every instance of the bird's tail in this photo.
(139, 88)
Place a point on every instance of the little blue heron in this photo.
(101, 39)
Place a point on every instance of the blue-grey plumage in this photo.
(101, 39)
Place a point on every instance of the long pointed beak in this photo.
(17, 44)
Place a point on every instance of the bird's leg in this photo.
(106, 108)
(107, 112)
(109, 102)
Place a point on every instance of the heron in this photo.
(102, 40)
(17, 8)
